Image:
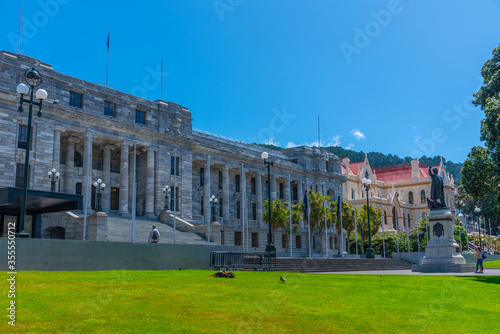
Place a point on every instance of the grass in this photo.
(491, 264)
(188, 301)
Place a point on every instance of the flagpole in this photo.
(308, 219)
(19, 40)
(175, 191)
(491, 237)
(355, 226)
(407, 226)
(290, 202)
(161, 74)
(418, 233)
(134, 195)
(107, 61)
(397, 228)
(326, 220)
(85, 202)
(341, 226)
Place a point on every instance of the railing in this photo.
(235, 260)
(198, 218)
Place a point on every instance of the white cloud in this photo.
(271, 141)
(335, 141)
(358, 134)
(417, 138)
(350, 146)
(291, 144)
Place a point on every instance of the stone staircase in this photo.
(119, 229)
(338, 265)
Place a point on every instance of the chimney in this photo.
(346, 162)
(415, 173)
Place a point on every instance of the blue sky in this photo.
(389, 76)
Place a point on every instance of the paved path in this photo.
(495, 272)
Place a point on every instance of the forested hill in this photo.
(379, 160)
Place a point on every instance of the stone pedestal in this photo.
(442, 254)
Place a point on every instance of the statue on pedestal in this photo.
(437, 190)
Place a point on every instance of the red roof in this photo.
(353, 167)
(399, 172)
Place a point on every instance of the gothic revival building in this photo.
(90, 129)
(399, 191)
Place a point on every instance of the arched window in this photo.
(394, 218)
(78, 159)
(410, 197)
(422, 196)
(352, 193)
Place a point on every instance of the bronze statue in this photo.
(437, 190)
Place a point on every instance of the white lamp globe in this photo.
(103, 185)
(95, 184)
(264, 155)
(41, 94)
(22, 89)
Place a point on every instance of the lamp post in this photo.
(369, 251)
(53, 176)
(33, 79)
(166, 192)
(270, 246)
(213, 202)
(479, 226)
(99, 188)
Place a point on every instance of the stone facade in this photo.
(115, 134)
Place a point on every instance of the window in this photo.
(92, 197)
(282, 191)
(295, 161)
(115, 198)
(202, 206)
(78, 188)
(254, 211)
(237, 238)
(176, 198)
(422, 196)
(109, 109)
(220, 180)
(220, 207)
(238, 209)
(75, 99)
(20, 175)
(295, 193)
(237, 183)
(255, 239)
(314, 242)
(202, 177)
(331, 242)
(222, 238)
(352, 194)
(140, 117)
(174, 164)
(22, 138)
(298, 241)
(78, 161)
(410, 197)
(253, 185)
(283, 241)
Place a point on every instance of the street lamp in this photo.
(270, 247)
(369, 251)
(53, 176)
(99, 188)
(33, 79)
(479, 226)
(166, 192)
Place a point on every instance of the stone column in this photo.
(87, 155)
(301, 191)
(225, 195)
(106, 177)
(150, 180)
(69, 172)
(57, 148)
(123, 208)
(273, 188)
(207, 209)
(186, 184)
(244, 213)
(259, 198)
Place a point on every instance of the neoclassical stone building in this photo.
(399, 190)
(89, 129)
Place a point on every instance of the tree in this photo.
(375, 223)
(316, 205)
(296, 219)
(279, 214)
(478, 176)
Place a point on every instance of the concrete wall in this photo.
(75, 255)
(415, 257)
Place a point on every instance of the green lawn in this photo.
(188, 301)
(491, 264)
